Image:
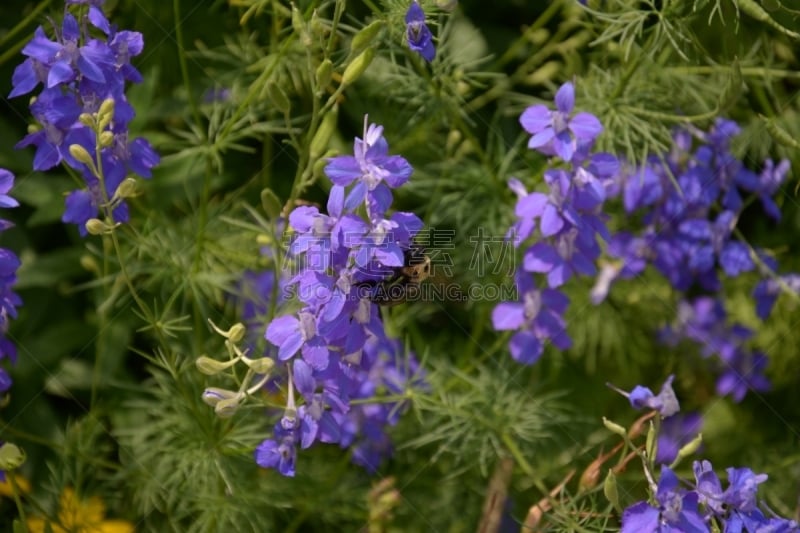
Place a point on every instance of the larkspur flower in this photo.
(665, 402)
(82, 73)
(419, 36)
(569, 221)
(9, 300)
(676, 431)
(677, 510)
(556, 132)
(334, 348)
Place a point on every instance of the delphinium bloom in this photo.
(9, 300)
(675, 432)
(563, 224)
(334, 348)
(419, 36)
(676, 510)
(704, 321)
(689, 204)
(83, 72)
(665, 402)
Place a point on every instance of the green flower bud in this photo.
(324, 73)
(212, 367)
(323, 135)
(106, 113)
(228, 407)
(89, 263)
(300, 27)
(106, 139)
(272, 206)
(80, 154)
(87, 120)
(651, 445)
(687, 450)
(610, 490)
(262, 365)
(237, 331)
(357, 67)
(614, 428)
(96, 226)
(11, 456)
(213, 395)
(127, 189)
(365, 36)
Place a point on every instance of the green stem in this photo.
(517, 454)
(176, 6)
(33, 15)
(12, 478)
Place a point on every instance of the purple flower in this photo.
(677, 510)
(372, 169)
(666, 403)
(279, 453)
(9, 300)
(555, 132)
(539, 317)
(419, 36)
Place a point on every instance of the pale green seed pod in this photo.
(614, 427)
(611, 491)
(209, 366)
(323, 135)
(127, 189)
(236, 332)
(324, 73)
(365, 37)
(262, 365)
(357, 67)
(227, 408)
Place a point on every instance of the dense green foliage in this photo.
(106, 395)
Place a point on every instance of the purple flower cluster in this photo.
(79, 72)
(335, 348)
(704, 321)
(566, 221)
(9, 300)
(702, 505)
(689, 204)
(418, 34)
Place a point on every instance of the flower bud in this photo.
(651, 444)
(237, 331)
(323, 135)
(262, 365)
(87, 120)
(610, 490)
(300, 27)
(96, 226)
(80, 154)
(89, 263)
(106, 139)
(213, 395)
(227, 408)
(614, 428)
(318, 28)
(323, 74)
(127, 189)
(357, 67)
(365, 36)
(272, 206)
(212, 367)
(106, 108)
(687, 449)
(11, 456)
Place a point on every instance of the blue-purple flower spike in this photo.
(9, 300)
(419, 36)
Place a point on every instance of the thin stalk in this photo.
(12, 478)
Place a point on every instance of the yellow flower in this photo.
(76, 516)
(22, 483)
